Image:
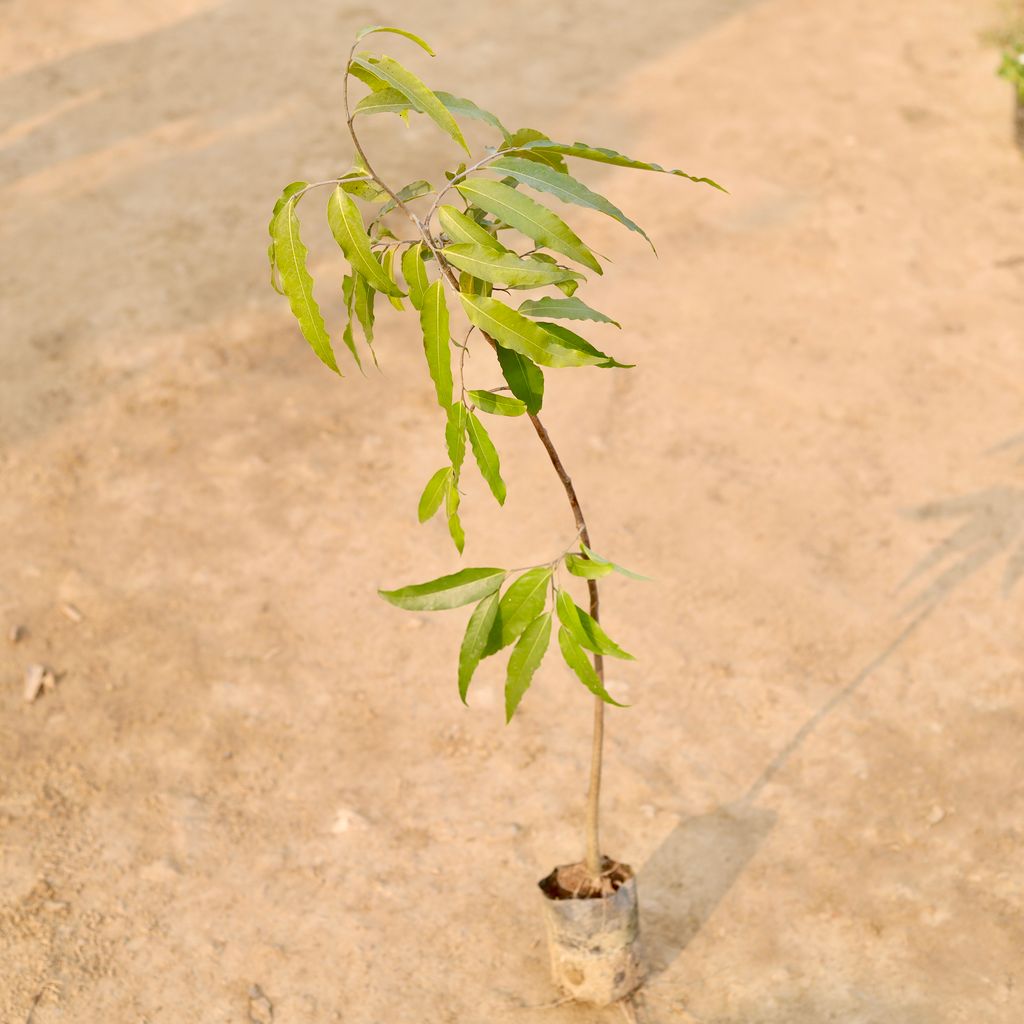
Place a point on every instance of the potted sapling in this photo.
(484, 250)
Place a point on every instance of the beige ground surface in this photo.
(254, 773)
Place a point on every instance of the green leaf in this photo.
(524, 378)
(478, 633)
(528, 216)
(595, 557)
(467, 108)
(513, 330)
(433, 494)
(505, 268)
(422, 99)
(486, 457)
(571, 340)
(522, 603)
(388, 266)
(368, 190)
(586, 630)
(453, 591)
(391, 101)
(364, 300)
(524, 661)
(497, 405)
(413, 190)
(563, 309)
(348, 292)
(562, 186)
(347, 227)
(415, 273)
(541, 156)
(608, 156)
(580, 664)
(455, 438)
(434, 322)
(382, 101)
(451, 504)
(290, 257)
(470, 285)
(460, 228)
(362, 33)
(286, 194)
(588, 569)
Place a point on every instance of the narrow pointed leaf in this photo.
(388, 265)
(522, 603)
(434, 322)
(453, 591)
(348, 291)
(467, 108)
(349, 232)
(547, 308)
(391, 101)
(497, 405)
(609, 156)
(524, 378)
(415, 273)
(362, 33)
(478, 632)
(518, 139)
(585, 629)
(562, 186)
(470, 285)
(571, 340)
(588, 569)
(578, 661)
(286, 194)
(413, 190)
(290, 257)
(524, 661)
(433, 494)
(505, 268)
(486, 457)
(524, 214)
(460, 228)
(594, 556)
(513, 330)
(423, 99)
(451, 504)
(455, 439)
(363, 300)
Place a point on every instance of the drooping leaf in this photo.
(524, 214)
(451, 504)
(423, 99)
(595, 557)
(575, 658)
(608, 156)
(347, 227)
(513, 330)
(434, 322)
(363, 33)
(478, 632)
(571, 340)
(286, 194)
(587, 568)
(290, 257)
(522, 603)
(519, 138)
(348, 292)
(460, 228)
(433, 494)
(388, 265)
(562, 186)
(452, 591)
(365, 73)
(364, 300)
(415, 273)
(524, 378)
(505, 268)
(455, 438)
(391, 101)
(486, 456)
(382, 101)
(467, 108)
(524, 661)
(547, 308)
(585, 629)
(497, 405)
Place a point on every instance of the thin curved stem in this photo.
(593, 857)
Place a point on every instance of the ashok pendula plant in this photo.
(477, 235)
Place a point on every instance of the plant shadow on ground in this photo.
(690, 873)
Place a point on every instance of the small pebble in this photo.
(71, 612)
(16, 634)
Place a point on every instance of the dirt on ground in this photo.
(251, 793)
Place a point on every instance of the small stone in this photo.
(936, 815)
(16, 634)
(69, 611)
(37, 679)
